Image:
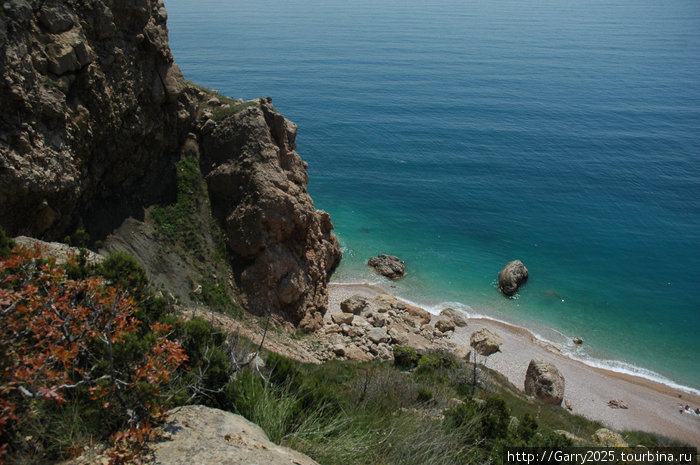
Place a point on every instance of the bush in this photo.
(424, 394)
(406, 357)
(70, 345)
(124, 271)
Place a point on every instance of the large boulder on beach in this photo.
(511, 277)
(445, 324)
(417, 314)
(355, 304)
(485, 341)
(458, 317)
(544, 381)
(388, 265)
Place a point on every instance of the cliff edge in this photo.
(96, 114)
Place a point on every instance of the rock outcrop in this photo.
(485, 341)
(544, 381)
(257, 185)
(95, 115)
(91, 115)
(445, 324)
(606, 438)
(388, 265)
(511, 277)
(201, 435)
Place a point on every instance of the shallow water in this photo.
(460, 135)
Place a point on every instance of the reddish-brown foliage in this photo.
(57, 334)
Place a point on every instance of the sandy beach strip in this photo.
(653, 406)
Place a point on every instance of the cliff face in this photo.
(95, 113)
(90, 115)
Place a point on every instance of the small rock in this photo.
(197, 290)
(578, 341)
(388, 265)
(342, 318)
(567, 404)
(378, 335)
(339, 350)
(355, 304)
(458, 317)
(544, 381)
(485, 341)
(462, 353)
(444, 325)
(511, 277)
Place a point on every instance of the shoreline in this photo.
(653, 405)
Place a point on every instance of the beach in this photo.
(652, 406)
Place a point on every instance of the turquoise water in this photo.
(460, 135)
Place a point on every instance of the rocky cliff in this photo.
(95, 116)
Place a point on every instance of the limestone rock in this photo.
(258, 190)
(511, 277)
(445, 324)
(418, 314)
(577, 340)
(388, 265)
(61, 252)
(204, 435)
(342, 318)
(378, 335)
(485, 341)
(606, 438)
(355, 304)
(544, 381)
(462, 353)
(458, 317)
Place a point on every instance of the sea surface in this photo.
(460, 135)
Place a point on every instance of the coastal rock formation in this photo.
(458, 317)
(485, 341)
(91, 119)
(203, 435)
(95, 115)
(544, 381)
(374, 326)
(511, 277)
(257, 185)
(388, 265)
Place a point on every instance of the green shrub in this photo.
(225, 111)
(406, 357)
(123, 270)
(424, 395)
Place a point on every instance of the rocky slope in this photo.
(95, 116)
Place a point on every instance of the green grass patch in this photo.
(230, 109)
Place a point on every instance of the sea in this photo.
(462, 134)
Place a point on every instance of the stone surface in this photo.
(342, 318)
(388, 265)
(606, 438)
(445, 324)
(355, 304)
(206, 436)
(485, 341)
(458, 317)
(61, 252)
(421, 316)
(511, 277)
(378, 335)
(544, 381)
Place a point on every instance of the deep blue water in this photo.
(460, 135)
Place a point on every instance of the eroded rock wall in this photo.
(95, 113)
(90, 117)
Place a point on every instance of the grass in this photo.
(190, 227)
(230, 109)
